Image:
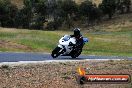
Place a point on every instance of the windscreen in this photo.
(66, 38)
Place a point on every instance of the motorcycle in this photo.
(66, 47)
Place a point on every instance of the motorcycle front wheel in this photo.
(55, 52)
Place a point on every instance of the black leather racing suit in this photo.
(79, 41)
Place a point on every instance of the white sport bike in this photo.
(66, 47)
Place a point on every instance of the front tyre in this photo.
(55, 52)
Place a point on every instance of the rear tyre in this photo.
(55, 52)
(76, 53)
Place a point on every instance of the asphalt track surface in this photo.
(17, 57)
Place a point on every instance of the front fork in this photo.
(62, 49)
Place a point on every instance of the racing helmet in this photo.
(76, 32)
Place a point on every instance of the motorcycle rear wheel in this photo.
(76, 53)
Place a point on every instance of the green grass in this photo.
(100, 43)
(110, 43)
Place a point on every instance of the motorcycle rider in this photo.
(79, 38)
(70, 45)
